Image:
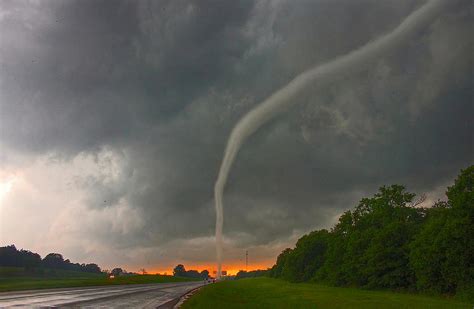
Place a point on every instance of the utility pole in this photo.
(246, 260)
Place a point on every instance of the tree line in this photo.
(10, 256)
(180, 271)
(251, 274)
(390, 241)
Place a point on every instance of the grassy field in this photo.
(16, 278)
(273, 293)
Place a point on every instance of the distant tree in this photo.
(53, 260)
(241, 274)
(30, 260)
(205, 274)
(92, 268)
(192, 274)
(179, 271)
(117, 271)
(9, 256)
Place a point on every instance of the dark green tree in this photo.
(369, 246)
(282, 260)
(307, 257)
(442, 254)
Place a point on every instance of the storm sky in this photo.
(114, 117)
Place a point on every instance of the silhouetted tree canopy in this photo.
(180, 271)
(117, 271)
(10, 256)
(54, 260)
(205, 274)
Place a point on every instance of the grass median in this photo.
(274, 293)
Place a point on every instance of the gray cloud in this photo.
(159, 85)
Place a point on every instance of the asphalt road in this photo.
(119, 296)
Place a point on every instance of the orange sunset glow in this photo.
(232, 268)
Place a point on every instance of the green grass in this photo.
(16, 278)
(273, 293)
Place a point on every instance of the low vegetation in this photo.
(276, 293)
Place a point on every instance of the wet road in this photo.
(121, 296)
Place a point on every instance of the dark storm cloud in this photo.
(162, 84)
(108, 69)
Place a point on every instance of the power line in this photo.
(246, 260)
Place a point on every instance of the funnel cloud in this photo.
(320, 76)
